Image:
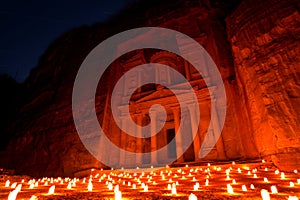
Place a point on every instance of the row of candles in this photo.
(168, 180)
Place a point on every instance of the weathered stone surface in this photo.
(265, 44)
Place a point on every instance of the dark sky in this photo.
(28, 27)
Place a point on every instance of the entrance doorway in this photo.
(171, 146)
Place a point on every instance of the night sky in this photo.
(28, 27)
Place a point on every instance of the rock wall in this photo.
(264, 37)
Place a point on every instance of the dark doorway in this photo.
(171, 146)
(189, 154)
(146, 149)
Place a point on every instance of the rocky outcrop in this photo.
(264, 36)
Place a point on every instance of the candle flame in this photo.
(7, 183)
(244, 188)
(51, 189)
(230, 189)
(13, 195)
(33, 197)
(174, 192)
(90, 186)
(293, 198)
(146, 188)
(265, 194)
(282, 175)
(206, 182)
(274, 189)
(192, 197)
(118, 195)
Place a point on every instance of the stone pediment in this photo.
(162, 93)
(156, 95)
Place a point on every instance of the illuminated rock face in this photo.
(265, 44)
(261, 81)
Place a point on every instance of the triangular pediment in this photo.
(156, 95)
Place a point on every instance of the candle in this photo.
(293, 198)
(274, 189)
(12, 195)
(7, 183)
(265, 194)
(229, 189)
(69, 186)
(192, 197)
(244, 188)
(174, 192)
(90, 186)
(51, 189)
(282, 175)
(146, 188)
(134, 186)
(118, 195)
(33, 197)
(13, 186)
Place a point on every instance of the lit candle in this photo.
(51, 189)
(169, 187)
(7, 183)
(110, 186)
(13, 186)
(293, 198)
(274, 189)
(265, 194)
(31, 186)
(12, 195)
(244, 188)
(192, 197)
(206, 182)
(118, 195)
(282, 175)
(229, 189)
(33, 197)
(146, 188)
(69, 186)
(133, 186)
(174, 192)
(90, 186)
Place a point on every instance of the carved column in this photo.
(153, 138)
(187, 70)
(216, 128)
(123, 142)
(193, 116)
(139, 142)
(179, 151)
